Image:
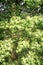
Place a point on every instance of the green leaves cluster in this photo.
(21, 33)
(24, 35)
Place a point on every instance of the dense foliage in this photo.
(21, 32)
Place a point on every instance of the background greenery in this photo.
(21, 32)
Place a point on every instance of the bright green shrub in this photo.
(22, 34)
(27, 37)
